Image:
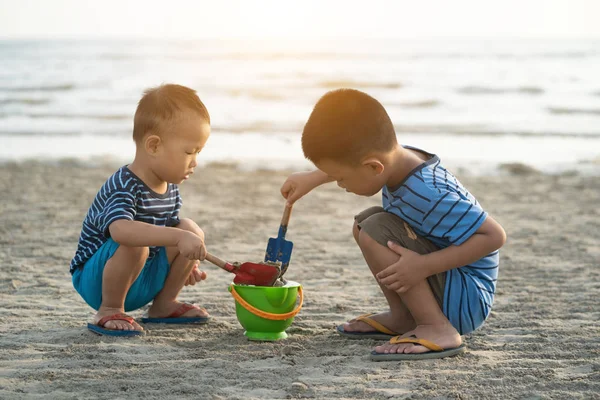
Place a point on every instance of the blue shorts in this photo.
(88, 280)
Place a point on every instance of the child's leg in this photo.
(398, 318)
(429, 321)
(165, 303)
(120, 271)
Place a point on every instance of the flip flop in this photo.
(435, 351)
(176, 316)
(380, 333)
(99, 328)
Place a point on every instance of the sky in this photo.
(196, 19)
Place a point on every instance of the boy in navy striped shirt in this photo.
(134, 248)
(431, 247)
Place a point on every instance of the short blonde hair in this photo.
(161, 104)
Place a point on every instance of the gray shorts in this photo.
(383, 226)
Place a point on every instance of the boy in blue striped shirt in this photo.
(134, 248)
(431, 247)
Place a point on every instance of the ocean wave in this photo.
(252, 55)
(419, 104)
(549, 55)
(101, 117)
(266, 127)
(481, 130)
(336, 84)
(255, 94)
(39, 133)
(234, 56)
(291, 131)
(42, 88)
(476, 154)
(33, 102)
(573, 111)
(276, 94)
(475, 90)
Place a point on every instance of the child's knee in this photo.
(365, 241)
(374, 230)
(187, 224)
(362, 217)
(355, 231)
(134, 254)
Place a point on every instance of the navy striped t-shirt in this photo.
(438, 207)
(124, 196)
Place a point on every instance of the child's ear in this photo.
(152, 143)
(374, 164)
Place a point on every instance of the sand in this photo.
(542, 340)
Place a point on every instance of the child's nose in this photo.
(194, 163)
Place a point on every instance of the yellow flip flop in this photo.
(435, 350)
(380, 332)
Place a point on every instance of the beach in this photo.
(542, 340)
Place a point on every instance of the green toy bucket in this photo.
(265, 312)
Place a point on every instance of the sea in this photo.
(479, 104)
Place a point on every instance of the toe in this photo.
(418, 349)
(384, 348)
(389, 348)
(196, 312)
(356, 326)
(121, 325)
(111, 325)
(137, 326)
(396, 349)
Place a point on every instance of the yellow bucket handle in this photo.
(264, 314)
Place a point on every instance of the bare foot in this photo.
(166, 310)
(444, 336)
(386, 319)
(118, 325)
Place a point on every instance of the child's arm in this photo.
(413, 267)
(300, 183)
(140, 234)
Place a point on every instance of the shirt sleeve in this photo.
(174, 219)
(453, 217)
(119, 205)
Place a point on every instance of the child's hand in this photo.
(191, 246)
(300, 183)
(195, 276)
(409, 270)
(296, 186)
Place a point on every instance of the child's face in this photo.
(180, 144)
(363, 179)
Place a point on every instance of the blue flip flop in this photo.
(176, 317)
(380, 332)
(99, 328)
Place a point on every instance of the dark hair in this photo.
(346, 125)
(163, 103)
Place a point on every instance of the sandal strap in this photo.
(376, 325)
(182, 309)
(423, 342)
(115, 317)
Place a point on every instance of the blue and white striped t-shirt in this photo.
(124, 196)
(438, 207)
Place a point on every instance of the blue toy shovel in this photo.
(279, 250)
